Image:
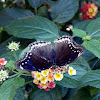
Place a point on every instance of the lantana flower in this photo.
(58, 76)
(89, 11)
(71, 71)
(13, 46)
(3, 61)
(3, 75)
(45, 79)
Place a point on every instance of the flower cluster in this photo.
(3, 75)
(2, 62)
(89, 11)
(45, 79)
(13, 46)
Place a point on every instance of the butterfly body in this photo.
(42, 56)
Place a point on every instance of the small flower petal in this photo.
(58, 76)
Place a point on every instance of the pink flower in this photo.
(3, 61)
(1, 66)
(40, 87)
(51, 84)
(47, 89)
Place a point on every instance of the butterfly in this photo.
(42, 55)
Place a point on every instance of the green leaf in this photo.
(68, 82)
(87, 55)
(64, 91)
(6, 53)
(63, 10)
(7, 15)
(96, 96)
(33, 28)
(53, 94)
(20, 94)
(95, 63)
(79, 72)
(91, 78)
(36, 3)
(74, 80)
(82, 25)
(10, 65)
(93, 46)
(79, 33)
(93, 29)
(82, 63)
(42, 11)
(82, 94)
(22, 53)
(9, 88)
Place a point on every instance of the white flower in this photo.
(13, 46)
(3, 75)
(71, 71)
(2, 0)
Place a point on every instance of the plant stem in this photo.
(15, 55)
(35, 10)
(29, 82)
(13, 75)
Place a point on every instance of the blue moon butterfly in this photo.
(42, 55)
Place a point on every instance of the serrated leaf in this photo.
(91, 78)
(7, 15)
(93, 46)
(63, 10)
(53, 94)
(9, 88)
(33, 28)
(36, 3)
(79, 33)
(93, 29)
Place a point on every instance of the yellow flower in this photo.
(38, 76)
(71, 71)
(35, 81)
(58, 76)
(44, 72)
(90, 10)
(44, 86)
(50, 77)
(43, 80)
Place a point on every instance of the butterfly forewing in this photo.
(66, 50)
(38, 58)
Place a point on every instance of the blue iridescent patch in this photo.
(42, 56)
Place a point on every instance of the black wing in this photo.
(38, 58)
(66, 50)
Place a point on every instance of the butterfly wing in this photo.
(66, 50)
(38, 58)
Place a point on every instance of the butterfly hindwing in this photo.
(38, 58)
(66, 50)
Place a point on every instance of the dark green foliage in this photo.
(45, 20)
